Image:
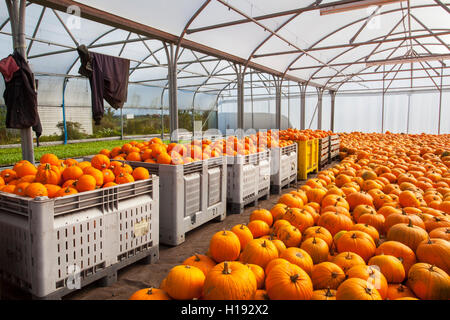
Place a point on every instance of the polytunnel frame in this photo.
(279, 77)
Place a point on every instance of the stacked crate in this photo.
(190, 195)
(283, 166)
(248, 180)
(51, 247)
(308, 158)
(335, 144)
(324, 152)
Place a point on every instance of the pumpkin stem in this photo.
(410, 223)
(264, 244)
(328, 293)
(294, 278)
(226, 268)
(314, 240)
(353, 236)
(224, 232)
(197, 258)
(150, 291)
(368, 290)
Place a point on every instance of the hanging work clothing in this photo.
(20, 94)
(108, 77)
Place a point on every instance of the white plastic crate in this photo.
(248, 179)
(46, 243)
(283, 166)
(190, 195)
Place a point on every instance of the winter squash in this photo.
(224, 246)
(36, 189)
(259, 252)
(370, 230)
(402, 217)
(21, 188)
(358, 242)
(436, 222)
(327, 275)
(258, 228)
(442, 233)
(390, 266)
(298, 257)
(262, 214)
(52, 190)
(435, 252)
(100, 162)
(316, 195)
(275, 262)
(108, 176)
(288, 282)
(48, 174)
(140, 173)
(200, 261)
(335, 222)
(150, 294)
(429, 282)
(408, 198)
(290, 236)
(375, 220)
(357, 289)
(398, 290)
(407, 234)
(49, 158)
(357, 198)
(347, 260)
(124, 178)
(361, 210)
(279, 224)
(230, 281)
(259, 275)
(8, 175)
(261, 295)
(97, 174)
(372, 275)
(24, 168)
(185, 282)
(324, 294)
(317, 249)
(291, 201)
(319, 232)
(86, 183)
(398, 250)
(63, 192)
(299, 218)
(243, 233)
(278, 211)
(279, 245)
(72, 173)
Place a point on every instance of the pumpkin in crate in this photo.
(48, 174)
(24, 168)
(86, 183)
(36, 189)
(100, 162)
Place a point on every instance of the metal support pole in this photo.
(17, 10)
(240, 99)
(172, 82)
(251, 99)
(333, 104)
(278, 103)
(409, 111)
(319, 108)
(121, 123)
(289, 107)
(302, 107)
(440, 100)
(64, 109)
(382, 103)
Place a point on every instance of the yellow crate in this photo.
(308, 158)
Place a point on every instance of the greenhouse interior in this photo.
(163, 144)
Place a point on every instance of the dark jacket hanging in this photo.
(20, 95)
(108, 77)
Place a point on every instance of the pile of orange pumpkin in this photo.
(155, 151)
(303, 135)
(375, 226)
(55, 178)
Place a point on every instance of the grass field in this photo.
(12, 155)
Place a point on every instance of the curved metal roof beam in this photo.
(183, 33)
(346, 26)
(276, 30)
(365, 57)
